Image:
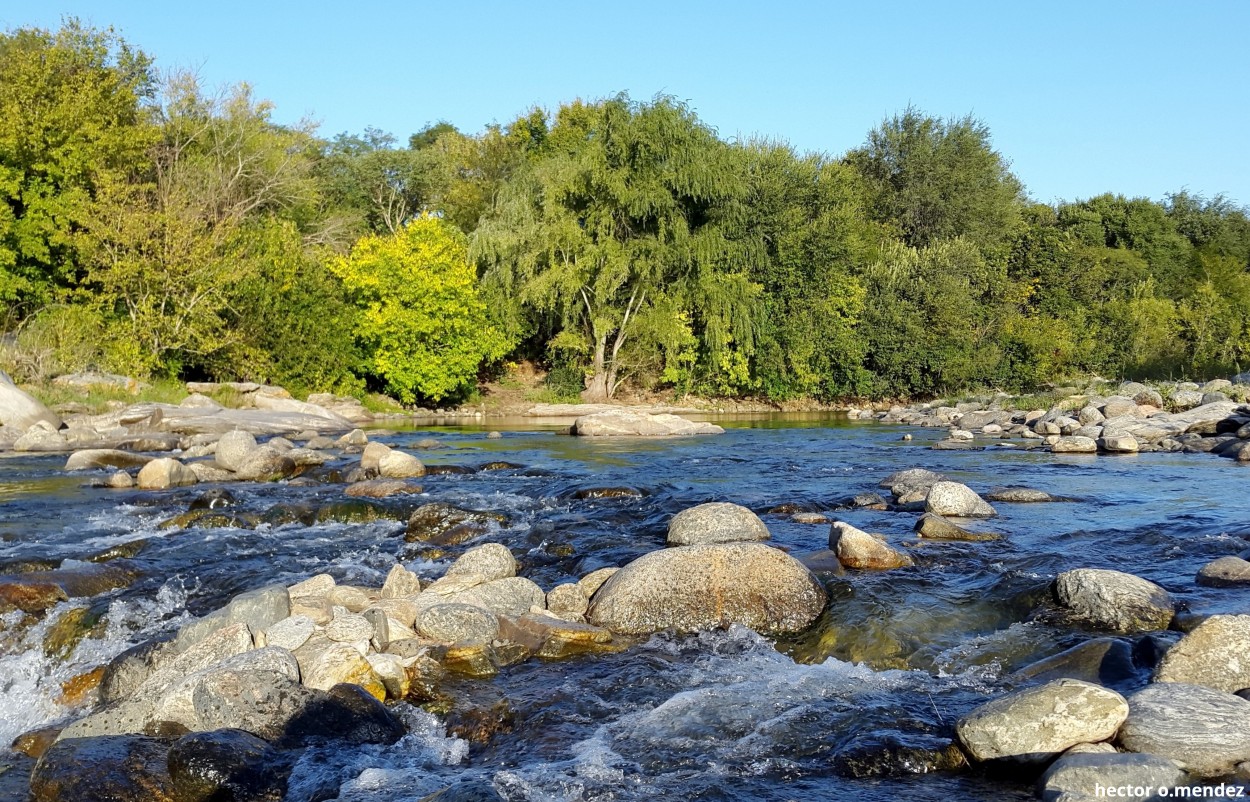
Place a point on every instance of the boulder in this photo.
(692, 588)
(19, 411)
(1082, 775)
(935, 527)
(1186, 399)
(1216, 653)
(340, 663)
(258, 609)
(951, 499)
(103, 769)
(234, 449)
(858, 549)
(1203, 730)
(1074, 444)
(624, 423)
(1119, 444)
(911, 478)
(347, 713)
(716, 522)
(399, 465)
(1114, 600)
(225, 764)
(1226, 572)
(250, 691)
(401, 582)
(1021, 495)
(512, 595)
(164, 473)
(289, 633)
(489, 561)
(1036, 724)
(265, 464)
(568, 601)
(104, 458)
(458, 623)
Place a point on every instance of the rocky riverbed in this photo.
(790, 607)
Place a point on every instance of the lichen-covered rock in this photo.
(1115, 600)
(1215, 654)
(490, 561)
(458, 623)
(1036, 724)
(692, 588)
(716, 522)
(1203, 730)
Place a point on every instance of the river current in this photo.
(896, 659)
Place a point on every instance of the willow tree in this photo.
(625, 212)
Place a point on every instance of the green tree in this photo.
(936, 179)
(422, 324)
(627, 210)
(382, 187)
(72, 119)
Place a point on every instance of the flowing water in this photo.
(889, 668)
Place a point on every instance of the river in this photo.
(892, 664)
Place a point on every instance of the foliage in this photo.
(422, 323)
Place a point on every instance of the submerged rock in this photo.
(1036, 724)
(716, 522)
(110, 768)
(1103, 661)
(692, 588)
(1115, 600)
(445, 525)
(1203, 730)
(1021, 495)
(935, 527)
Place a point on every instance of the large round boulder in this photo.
(1115, 600)
(953, 500)
(692, 588)
(715, 522)
(1215, 654)
(234, 449)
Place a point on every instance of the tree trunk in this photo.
(597, 387)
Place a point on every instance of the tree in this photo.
(72, 120)
(422, 323)
(626, 208)
(936, 179)
(382, 185)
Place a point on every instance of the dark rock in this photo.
(500, 465)
(226, 765)
(470, 790)
(447, 470)
(1104, 661)
(898, 755)
(122, 551)
(1021, 495)
(607, 492)
(346, 713)
(281, 514)
(214, 499)
(445, 525)
(109, 768)
(935, 527)
(355, 511)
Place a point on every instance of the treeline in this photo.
(150, 227)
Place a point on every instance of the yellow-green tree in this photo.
(422, 325)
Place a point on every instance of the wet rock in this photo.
(104, 458)
(445, 525)
(716, 522)
(1203, 730)
(899, 755)
(113, 768)
(258, 609)
(37, 591)
(382, 488)
(164, 473)
(1103, 661)
(1082, 775)
(810, 518)
(1216, 653)
(624, 423)
(447, 470)
(348, 714)
(472, 789)
(214, 499)
(691, 588)
(72, 626)
(607, 492)
(226, 764)
(400, 582)
(1226, 572)
(30, 595)
(490, 561)
(951, 499)
(935, 527)
(501, 465)
(74, 690)
(1036, 724)
(1021, 495)
(339, 663)
(209, 519)
(458, 623)
(33, 744)
(858, 549)
(1114, 600)
(911, 478)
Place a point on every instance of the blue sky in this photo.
(1141, 98)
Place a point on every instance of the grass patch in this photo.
(99, 399)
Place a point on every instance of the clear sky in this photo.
(1141, 98)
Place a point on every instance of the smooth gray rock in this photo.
(1203, 730)
(104, 458)
(911, 478)
(258, 609)
(1216, 653)
(1082, 775)
(513, 595)
(1036, 724)
(19, 410)
(1226, 572)
(623, 423)
(716, 522)
(234, 449)
(692, 588)
(181, 702)
(1021, 495)
(954, 500)
(1115, 600)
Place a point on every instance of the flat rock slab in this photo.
(639, 424)
(1203, 730)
